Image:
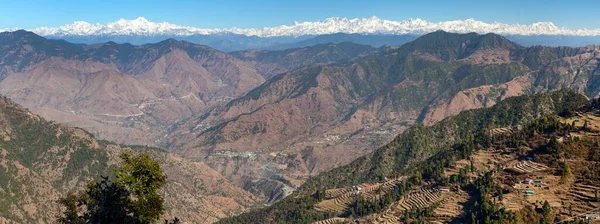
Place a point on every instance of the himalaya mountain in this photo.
(373, 31)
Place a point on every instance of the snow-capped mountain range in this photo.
(372, 25)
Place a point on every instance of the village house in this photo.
(593, 216)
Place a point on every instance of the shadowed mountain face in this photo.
(313, 119)
(271, 63)
(41, 161)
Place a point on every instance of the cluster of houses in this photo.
(593, 216)
(536, 183)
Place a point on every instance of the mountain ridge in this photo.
(370, 25)
(151, 84)
(324, 116)
(371, 31)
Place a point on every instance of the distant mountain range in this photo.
(372, 25)
(373, 31)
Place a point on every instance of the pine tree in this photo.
(472, 166)
(546, 210)
(500, 197)
(418, 177)
(132, 198)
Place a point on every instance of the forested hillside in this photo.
(440, 144)
(41, 161)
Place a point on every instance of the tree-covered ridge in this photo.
(449, 46)
(421, 142)
(41, 161)
(407, 152)
(271, 63)
(39, 157)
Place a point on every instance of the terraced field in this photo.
(575, 197)
(421, 198)
(333, 221)
(337, 204)
(488, 160)
(482, 160)
(334, 193)
(338, 199)
(593, 121)
(581, 198)
(387, 218)
(528, 167)
(455, 170)
(375, 192)
(452, 205)
(498, 131)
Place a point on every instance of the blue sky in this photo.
(260, 13)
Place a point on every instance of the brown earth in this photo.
(114, 89)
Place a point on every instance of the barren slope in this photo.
(117, 88)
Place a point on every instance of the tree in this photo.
(71, 215)
(105, 202)
(500, 197)
(143, 177)
(319, 194)
(418, 177)
(546, 210)
(132, 198)
(471, 166)
(174, 221)
(565, 172)
(462, 176)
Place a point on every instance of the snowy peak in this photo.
(371, 25)
(139, 26)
